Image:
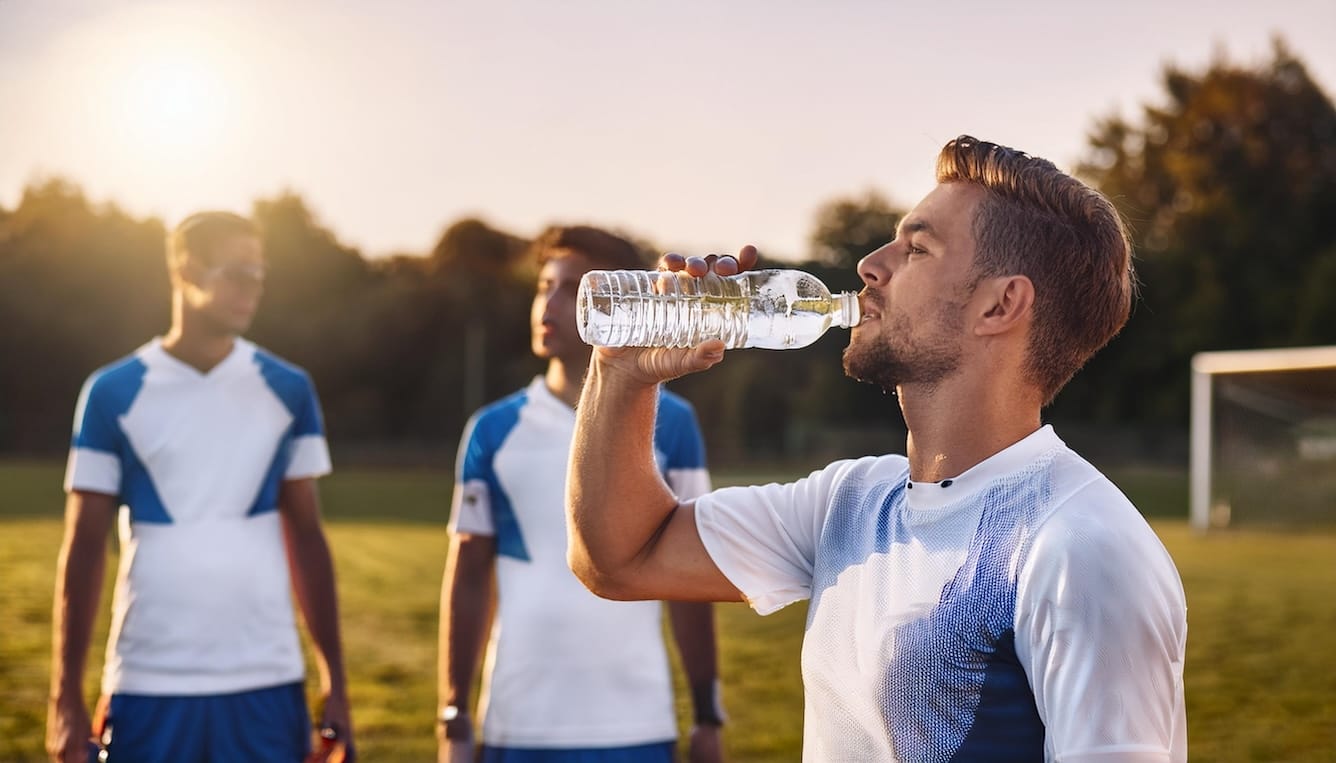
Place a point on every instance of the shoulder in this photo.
(1095, 532)
(867, 470)
(507, 406)
(116, 384)
(674, 405)
(1083, 498)
(497, 418)
(274, 367)
(287, 381)
(852, 477)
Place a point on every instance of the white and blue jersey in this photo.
(564, 668)
(202, 602)
(1021, 611)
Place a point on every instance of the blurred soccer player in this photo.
(991, 596)
(571, 678)
(210, 447)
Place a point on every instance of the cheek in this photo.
(565, 311)
(198, 296)
(560, 310)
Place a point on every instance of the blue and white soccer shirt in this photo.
(1021, 610)
(201, 603)
(564, 668)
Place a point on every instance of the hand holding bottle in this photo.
(691, 300)
(725, 265)
(651, 365)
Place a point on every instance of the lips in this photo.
(869, 304)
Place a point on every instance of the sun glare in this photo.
(172, 100)
(156, 103)
(160, 82)
(169, 101)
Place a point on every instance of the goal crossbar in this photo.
(1205, 365)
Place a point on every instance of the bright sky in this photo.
(701, 125)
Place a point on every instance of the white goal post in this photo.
(1207, 510)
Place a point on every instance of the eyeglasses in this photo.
(237, 274)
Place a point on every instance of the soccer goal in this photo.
(1263, 437)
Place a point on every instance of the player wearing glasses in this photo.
(205, 449)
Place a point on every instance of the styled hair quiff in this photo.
(607, 251)
(1066, 237)
(200, 234)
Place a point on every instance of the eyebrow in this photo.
(917, 226)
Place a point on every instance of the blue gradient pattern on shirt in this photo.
(494, 425)
(952, 688)
(107, 397)
(291, 386)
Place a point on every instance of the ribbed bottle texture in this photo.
(772, 309)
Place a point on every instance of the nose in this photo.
(875, 267)
(551, 311)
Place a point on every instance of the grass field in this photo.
(1261, 673)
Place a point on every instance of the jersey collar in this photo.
(931, 496)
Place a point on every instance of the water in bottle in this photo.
(772, 309)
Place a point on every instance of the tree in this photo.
(1229, 187)
(485, 285)
(80, 285)
(847, 228)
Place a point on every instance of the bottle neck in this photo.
(847, 310)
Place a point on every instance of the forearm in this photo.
(78, 591)
(466, 610)
(693, 630)
(312, 568)
(465, 613)
(617, 501)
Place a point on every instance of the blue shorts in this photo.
(261, 726)
(659, 752)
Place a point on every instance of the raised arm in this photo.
(628, 536)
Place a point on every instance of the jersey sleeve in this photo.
(677, 434)
(471, 506)
(94, 460)
(764, 538)
(310, 450)
(1101, 628)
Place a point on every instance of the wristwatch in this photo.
(454, 722)
(706, 701)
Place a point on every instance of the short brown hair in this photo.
(199, 234)
(607, 251)
(1066, 237)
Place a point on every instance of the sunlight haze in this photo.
(697, 125)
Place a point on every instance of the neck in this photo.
(564, 378)
(194, 341)
(964, 420)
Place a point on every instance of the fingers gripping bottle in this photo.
(771, 309)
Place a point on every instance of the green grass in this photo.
(1261, 673)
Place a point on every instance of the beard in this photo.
(898, 357)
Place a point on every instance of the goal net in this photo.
(1263, 438)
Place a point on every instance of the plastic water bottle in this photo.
(772, 309)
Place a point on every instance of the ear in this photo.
(1004, 304)
(175, 276)
(181, 274)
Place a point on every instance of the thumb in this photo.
(705, 355)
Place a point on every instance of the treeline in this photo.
(1228, 183)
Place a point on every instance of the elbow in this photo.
(600, 580)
